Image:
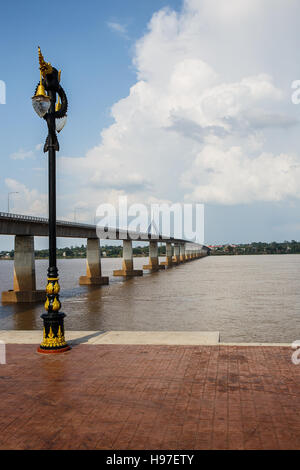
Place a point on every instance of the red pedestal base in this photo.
(53, 351)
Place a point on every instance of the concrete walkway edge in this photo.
(130, 337)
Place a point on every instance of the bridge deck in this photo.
(17, 224)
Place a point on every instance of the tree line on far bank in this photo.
(257, 248)
(80, 252)
(114, 251)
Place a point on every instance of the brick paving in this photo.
(150, 397)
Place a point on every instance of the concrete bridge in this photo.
(25, 228)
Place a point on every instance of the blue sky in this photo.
(82, 39)
(95, 62)
(169, 101)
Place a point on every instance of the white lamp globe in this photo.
(41, 104)
(60, 123)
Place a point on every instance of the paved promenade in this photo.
(109, 396)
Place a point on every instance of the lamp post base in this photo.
(53, 351)
(53, 335)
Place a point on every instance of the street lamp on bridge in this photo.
(8, 196)
(75, 212)
(55, 113)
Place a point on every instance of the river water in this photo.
(245, 298)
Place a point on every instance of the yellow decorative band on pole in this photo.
(52, 341)
(52, 286)
(52, 303)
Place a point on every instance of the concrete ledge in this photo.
(12, 296)
(36, 336)
(123, 273)
(93, 281)
(116, 337)
(287, 345)
(193, 338)
(149, 267)
(160, 337)
(165, 264)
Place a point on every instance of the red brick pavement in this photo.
(150, 397)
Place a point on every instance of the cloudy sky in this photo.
(170, 101)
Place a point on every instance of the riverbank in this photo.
(248, 299)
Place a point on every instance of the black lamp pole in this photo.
(52, 271)
(53, 113)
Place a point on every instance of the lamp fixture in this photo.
(41, 101)
(59, 122)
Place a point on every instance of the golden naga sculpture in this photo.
(52, 341)
(45, 67)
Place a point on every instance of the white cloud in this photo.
(118, 28)
(22, 155)
(194, 124)
(217, 11)
(27, 201)
(229, 176)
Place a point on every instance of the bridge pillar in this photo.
(182, 253)
(24, 273)
(153, 258)
(169, 254)
(93, 265)
(176, 258)
(127, 263)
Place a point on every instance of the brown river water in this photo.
(245, 298)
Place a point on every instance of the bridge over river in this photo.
(24, 228)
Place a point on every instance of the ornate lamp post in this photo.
(54, 113)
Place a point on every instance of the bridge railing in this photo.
(31, 218)
(42, 219)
